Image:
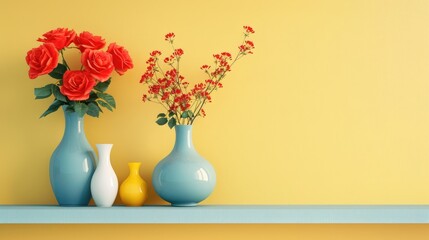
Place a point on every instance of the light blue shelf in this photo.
(217, 214)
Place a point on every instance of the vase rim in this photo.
(183, 125)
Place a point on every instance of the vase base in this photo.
(184, 204)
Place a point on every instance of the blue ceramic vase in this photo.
(72, 164)
(184, 178)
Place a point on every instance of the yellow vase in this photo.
(133, 190)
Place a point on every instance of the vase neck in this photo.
(183, 137)
(104, 154)
(134, 168)
(74, 124)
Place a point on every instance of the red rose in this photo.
(77, 85)
(42, 60)
(60, 37)
(98, 63)
(121, 59)
(86, 40)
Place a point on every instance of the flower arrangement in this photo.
(183, 104)
(83, 90)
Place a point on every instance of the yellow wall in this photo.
(332, 108)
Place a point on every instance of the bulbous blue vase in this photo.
(184, 178)
(72, 164)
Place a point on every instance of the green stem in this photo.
(177, 67)
(200, 106)
(160, 69)
(64, 60)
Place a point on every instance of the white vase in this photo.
(104, 183)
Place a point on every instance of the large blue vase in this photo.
(72, 164)
(184, 178)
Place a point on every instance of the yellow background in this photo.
(332, 108)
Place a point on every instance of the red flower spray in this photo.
(168, 88)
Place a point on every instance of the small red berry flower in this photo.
(178, 52)
(155, 53)
(248, 30)
(169, 37)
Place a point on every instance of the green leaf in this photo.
(171, 122)
(58, 95)
(70, 108)
(161, 115)
(108, 98)
(190, 113)
(102, 86)
(54, 107)
(92, 97)
(93, 110)
(171, 113)
(187, 114)
(162, 121)
(43, 92)
(80, 108)
(184, 114)
(105, 105)
(99, 108)
(59, 71)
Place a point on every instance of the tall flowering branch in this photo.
(168, 88)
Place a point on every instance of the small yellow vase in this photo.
(133, 190)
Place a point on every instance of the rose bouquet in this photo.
(183, 104)
(83, 90)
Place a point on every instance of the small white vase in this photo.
(104, 183)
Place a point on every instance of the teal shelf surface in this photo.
(217, 214)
